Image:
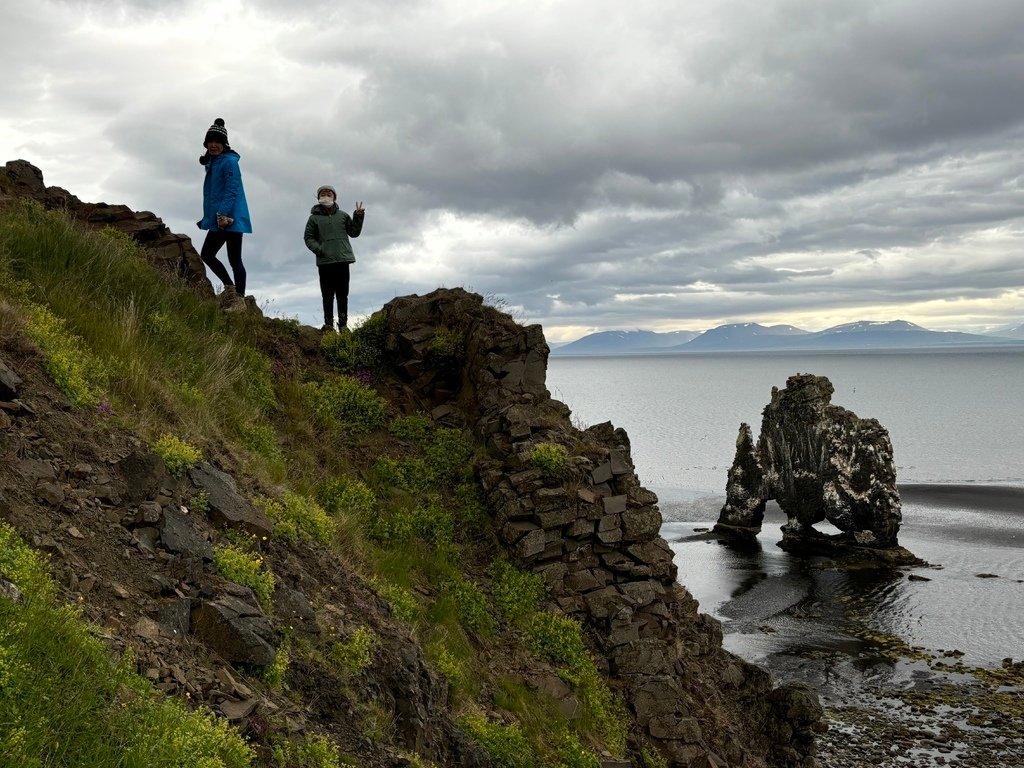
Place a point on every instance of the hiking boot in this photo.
(236, 305)
(328, 328)
(227, 297)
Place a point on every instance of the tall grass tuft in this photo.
(111, 326)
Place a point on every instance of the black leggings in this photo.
(334, 283)
(215, 238)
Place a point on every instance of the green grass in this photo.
(572, 754)
(558, 639)
(470, 605)
(112, 328)
(403, 604)
(274, 675)
(517, 594)
(341, 401)
(550, 458)
(506, 744)
(355, 654)
(82, 376)
(178, 455)
(394, 498)
(446, 349)
(309, 751)
(246, 568)
(356, 350)
(297, 517)
(415, 428)
(63, 701)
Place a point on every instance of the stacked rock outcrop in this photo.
(592, 531)
(167, 251)
(820, 462)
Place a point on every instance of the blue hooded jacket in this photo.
(223, 193)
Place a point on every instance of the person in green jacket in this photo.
(327, 234)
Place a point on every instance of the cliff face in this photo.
(593, 535)
(819, 462)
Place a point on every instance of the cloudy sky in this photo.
(592, 165)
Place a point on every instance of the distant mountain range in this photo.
(624, 342)
(751, 337)
(1012, 332)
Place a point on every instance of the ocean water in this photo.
(953, 417)
(956, 421)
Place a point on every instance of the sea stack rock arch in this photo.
(819, 462)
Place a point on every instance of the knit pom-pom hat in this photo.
(217, 132)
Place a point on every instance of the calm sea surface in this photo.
(955, 419)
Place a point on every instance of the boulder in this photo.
(175, 616)
(144, 474)
(293, 609)
(227, 507)
(180, 534)
(236, 630)
(10, 382)
(9, 591)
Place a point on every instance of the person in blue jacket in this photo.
(225, 212)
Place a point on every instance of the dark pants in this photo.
(334, 283)
(215, 238)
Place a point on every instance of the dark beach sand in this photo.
(991, 498)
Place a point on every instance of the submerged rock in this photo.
(820, 462)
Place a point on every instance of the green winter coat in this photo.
(327, 234)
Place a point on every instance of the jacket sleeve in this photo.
(354, 225)
(312, 235)
(231, 187)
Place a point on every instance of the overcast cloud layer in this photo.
(595, 164)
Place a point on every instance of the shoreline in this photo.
(694, 506)
(991, 498)
(899, 687)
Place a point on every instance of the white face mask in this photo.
(326, 201)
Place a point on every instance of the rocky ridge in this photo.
(593, 535)
(167, 251)
(125, 545)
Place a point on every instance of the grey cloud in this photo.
(641, 150)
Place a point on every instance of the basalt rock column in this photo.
(745, 499)
(592, 532)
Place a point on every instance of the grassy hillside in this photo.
(367, 496)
